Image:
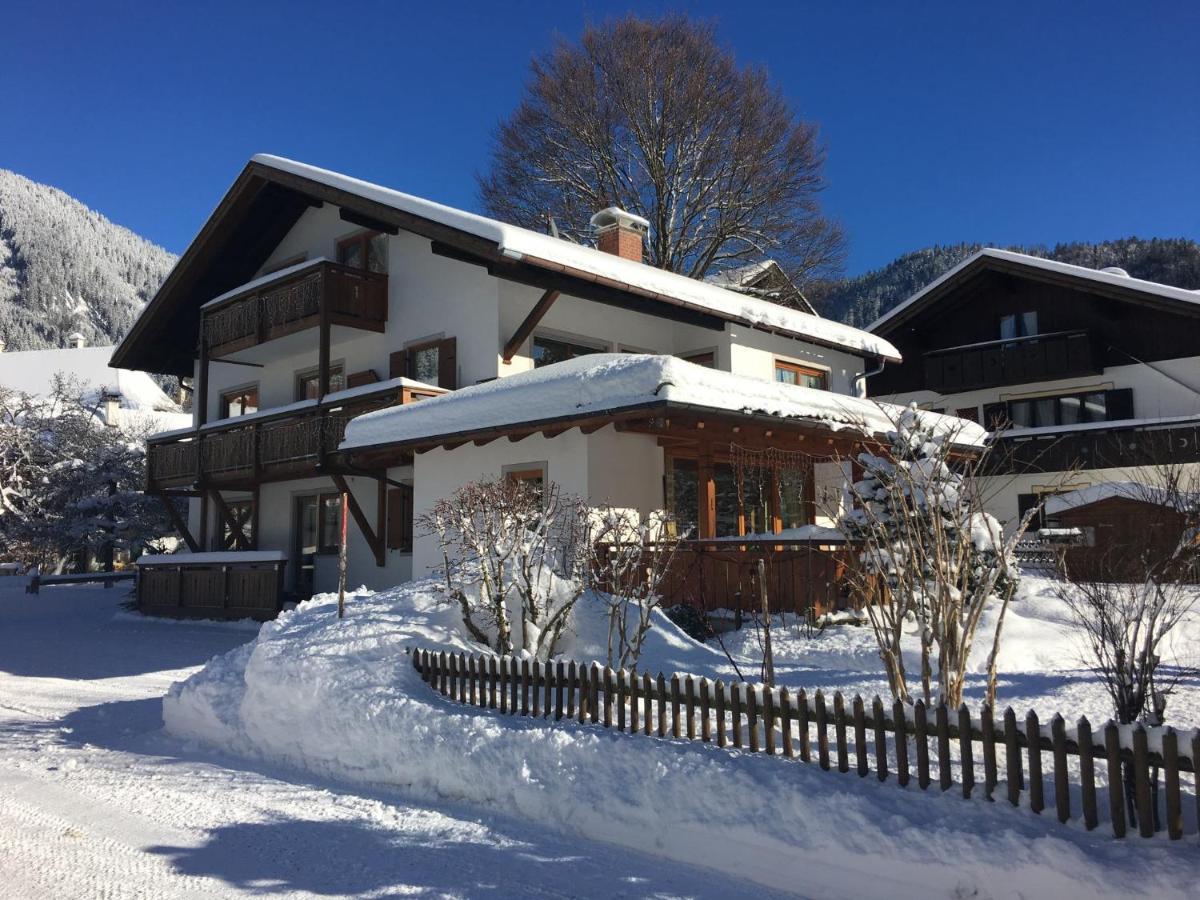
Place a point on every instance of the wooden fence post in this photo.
(769, 720)
(689, 701)
(752, 717)
(662, 705)
(943, 745)
(822, 730)
(535, 688)
(719, 702)
(1141, 782)
(621, 696)
(547, 690)
(901, 726)
(1116, 778)
(608, 696)
(802, 725)
(881, 760)
(1033, 742)
(1170, 753)
(705, 712)
(594, 695)
(675, 698)
(1012, 757)
(1087, 772)
(515, 683)
(647, 703)
(987, 731)
(569, 687)
(921, 724)
(860, 737)
(502, 666)
(1062, 790)
(839, 730)
(633, 701)
(581, 682)
(966, 751)
(785, 722)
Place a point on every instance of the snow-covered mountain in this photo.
(65, 268)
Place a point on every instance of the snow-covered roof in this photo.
(211, 558)
(1099, 276)
(613, 382)
(550, 252)
(1106, 490)
(741, 275)
(32, 372)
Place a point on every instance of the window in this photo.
(970, 413)
(532, 475)
(708, 359)
(308, 383)
(432, 362)
(242, 512)
(239, 402)
(801, 376)
(367, 250)
(1018, 325)
(547, 351)
(1067, 409)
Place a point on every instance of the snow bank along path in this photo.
(95, 801)
(341, 699)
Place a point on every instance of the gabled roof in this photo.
(608, 384)
(764, 278)
(272, 193)
(1097, 281)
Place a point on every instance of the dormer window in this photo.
(365, 250)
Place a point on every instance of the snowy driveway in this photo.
(95, 801)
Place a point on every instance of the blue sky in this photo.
(1006, 123)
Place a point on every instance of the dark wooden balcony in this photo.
(293, 302)
(265, 447)
(1043, 357)
(1095, 448)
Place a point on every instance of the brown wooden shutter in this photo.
(400, 518)
(1118, 404)
(448, 363)
(358, 379)
(398, 364)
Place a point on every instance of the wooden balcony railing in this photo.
(293, 302)
(805, 577)
(263, 448)
(1095, 448)
(1063, 354)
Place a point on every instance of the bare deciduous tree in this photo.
(657, 118)
(631, 557)
(515, 561)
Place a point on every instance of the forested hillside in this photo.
(66, 268)
(861, 300)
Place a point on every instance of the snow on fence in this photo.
(937, 740)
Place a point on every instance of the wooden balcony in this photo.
(264, 447)
(1043, 357)
(275, 307)
(1096, 448)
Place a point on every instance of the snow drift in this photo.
(341, 700)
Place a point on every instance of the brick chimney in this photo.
(620, 233)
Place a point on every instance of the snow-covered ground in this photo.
(340, 700)
(96, 801)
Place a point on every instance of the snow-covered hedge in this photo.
(340, 699)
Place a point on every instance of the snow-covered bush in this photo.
(69, 486)
(514, 560)
(930, 553)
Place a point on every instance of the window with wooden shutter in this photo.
(433, 362)
(400, 518)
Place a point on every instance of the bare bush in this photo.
(631, 557)
(515, 561)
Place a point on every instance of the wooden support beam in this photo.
(203, 519)
(381, 511)
(364, 221)
(374, 539)
(324, 326)
(707, 498)
(255, 510)
(178, 521)
(526, 327)
(200, 396)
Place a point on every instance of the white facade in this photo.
(434, 297)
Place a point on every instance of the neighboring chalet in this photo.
(310, 299)
(766, 280)
(118, 398)
(1086, 376)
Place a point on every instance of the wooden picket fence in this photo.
(776, 721)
